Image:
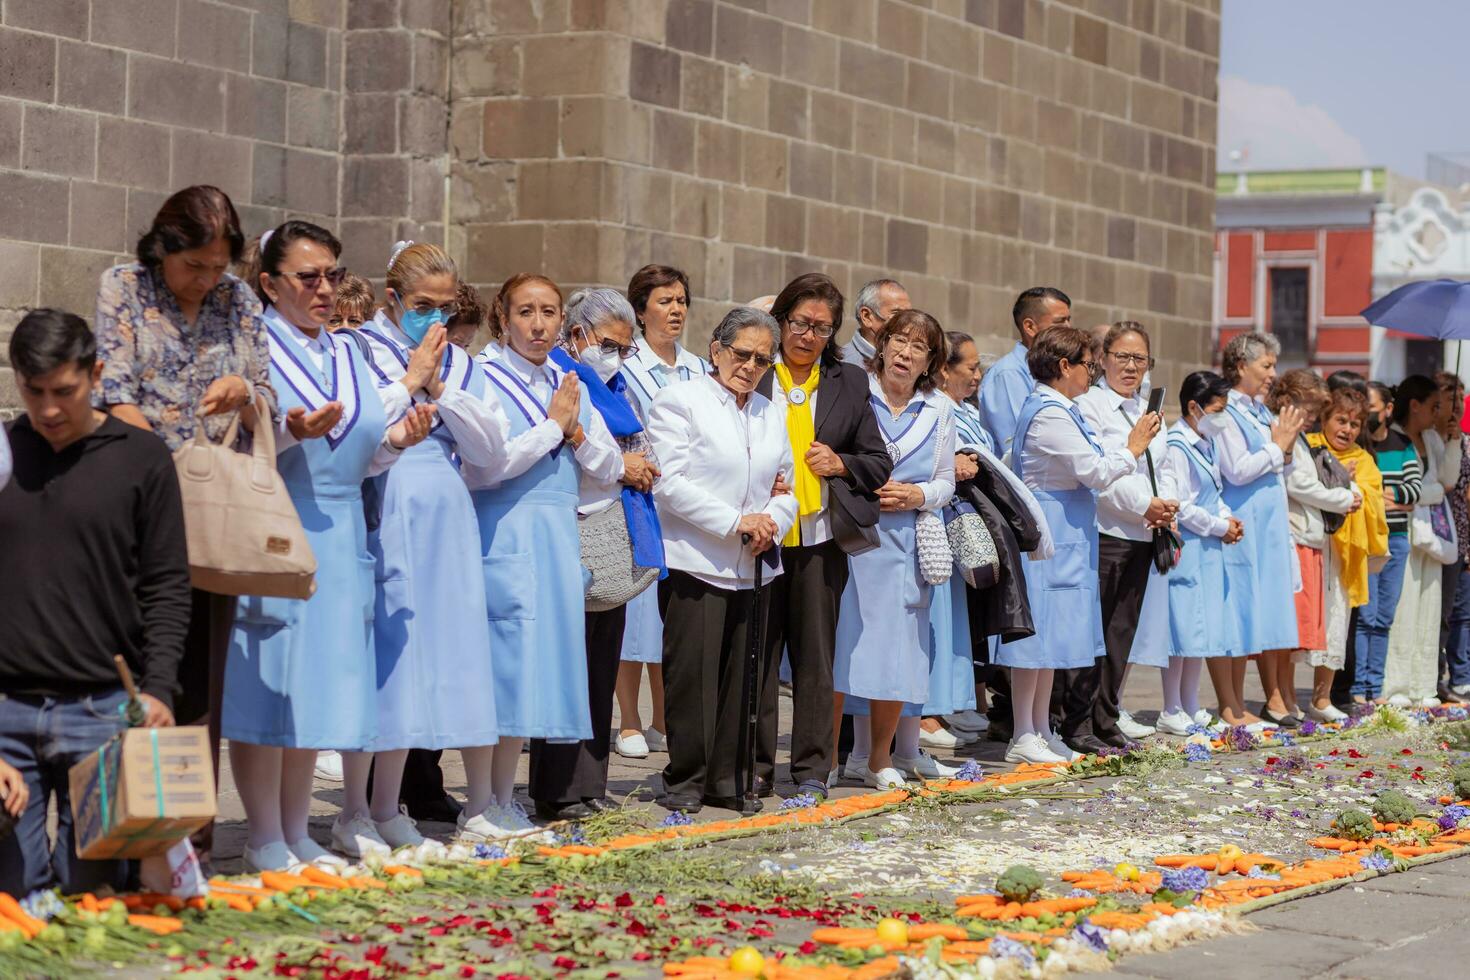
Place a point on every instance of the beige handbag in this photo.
(244, 535)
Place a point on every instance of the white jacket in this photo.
(1307, 497)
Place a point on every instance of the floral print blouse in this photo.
(153, 359)
(1457, 502)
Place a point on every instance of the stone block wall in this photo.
(970, 148)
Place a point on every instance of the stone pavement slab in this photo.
(1354, 912)
(1273, 954)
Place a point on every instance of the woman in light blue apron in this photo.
(435, 671)
(297, 678)
(1200, 628)
(531, 555)
(1252, 452)
(1057, 456)
(884, 638)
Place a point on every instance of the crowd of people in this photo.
(926, 550)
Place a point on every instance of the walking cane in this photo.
(749, 801)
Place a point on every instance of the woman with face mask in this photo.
(434, 671)
(569, 779)
(1254, 452)
(1200, 631)
(526, 503)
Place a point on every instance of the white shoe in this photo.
(400, 831)
(1327, 714)
(308, 851)
(1030, 748)
(832, 778)
(1203, 717)
(631, 747)
(655, 740)
(275, 856)
(1463, 690)
(924, 766)
(1174, 723)
(328, 767)
(358, 837)
(1133, 729)
(968, 720)
(1428, 702)
(520, 821)
(856, 767)
(885, 779)
(1400, 701)
(1059, 748)
(943, 740)
(1257, 727)
(492, 825)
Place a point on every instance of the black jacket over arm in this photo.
(844, 421)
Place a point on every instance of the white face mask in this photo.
(605, 363)
(1212, 423)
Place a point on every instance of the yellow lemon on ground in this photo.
(1126, 871)
(747, 960)
(1230, 853)
(893, 932)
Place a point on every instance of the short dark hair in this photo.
(812, 285)
(1414, 388)
(47, 339)
(1031, 303)
(651, 277)
(1053, 346)
(905, 322)
(189, 219)
(270, 256)
(1348, 379)
(1202, 388)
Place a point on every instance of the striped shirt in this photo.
(969, 431)
(1402, 475)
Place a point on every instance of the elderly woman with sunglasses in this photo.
(298, 675)
(723, 448)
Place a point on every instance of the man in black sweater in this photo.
(92, 536)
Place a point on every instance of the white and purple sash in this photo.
(455, 372)
(516, 390)
(289, 362)
(913, 436)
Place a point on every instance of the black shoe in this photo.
(1088, 744)
(737, 803)
(1114, 738)
(601, 804)
(814, 787)
(445, 809)
(679, 804)
(763, 788)
(998, 733)
(1280, 721)
(562, 811)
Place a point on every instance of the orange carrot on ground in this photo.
(156, 924)
(237, 902)
(29, 924)
(324, 878)
(282, 882)
(402, 869)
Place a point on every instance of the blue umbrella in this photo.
(1438, 308)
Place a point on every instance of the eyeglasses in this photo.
(337, 320)
(450, 310)
(311, 278)
(1132, 360)
(624, 351)
(799, 327)
(914, 347)
(1090, 365)
(741, 356)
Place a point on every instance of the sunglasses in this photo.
(741, 356)
(311, 278)
(624, 351)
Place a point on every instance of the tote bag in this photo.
(243, 532)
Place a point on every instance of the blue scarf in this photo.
(611, 401)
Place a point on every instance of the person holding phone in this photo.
(1132, 592)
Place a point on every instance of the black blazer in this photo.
(845, 421)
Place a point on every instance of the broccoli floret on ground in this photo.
(1391, 806)
(1354, 825)
(1018, 883)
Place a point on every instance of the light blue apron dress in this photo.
(883, 635)
(1260, 586)
(532, 572)
(951, 660)
(299, 671)
(1200, 624)
(436, 679)
(643, 632)
(1063, 589)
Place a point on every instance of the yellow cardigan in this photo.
(1364, 534)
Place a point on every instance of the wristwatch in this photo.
(577, 437)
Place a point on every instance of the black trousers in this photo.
(202, 680)
(1448, 593)
(803, 621)
(1342, 681)
(706, 646)
(1090, 700)
(569, 772)
(423, 780)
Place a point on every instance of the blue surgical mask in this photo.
(417, 324)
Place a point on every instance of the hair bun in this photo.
(264, 239)
(398, 248)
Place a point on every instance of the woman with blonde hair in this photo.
(434, 671)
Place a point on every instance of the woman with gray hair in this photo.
(721, 513)
(569, 779)
(1254, 452)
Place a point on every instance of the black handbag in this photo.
(1166, 544)
(1334, 476)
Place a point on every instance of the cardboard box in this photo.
(142, 791)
